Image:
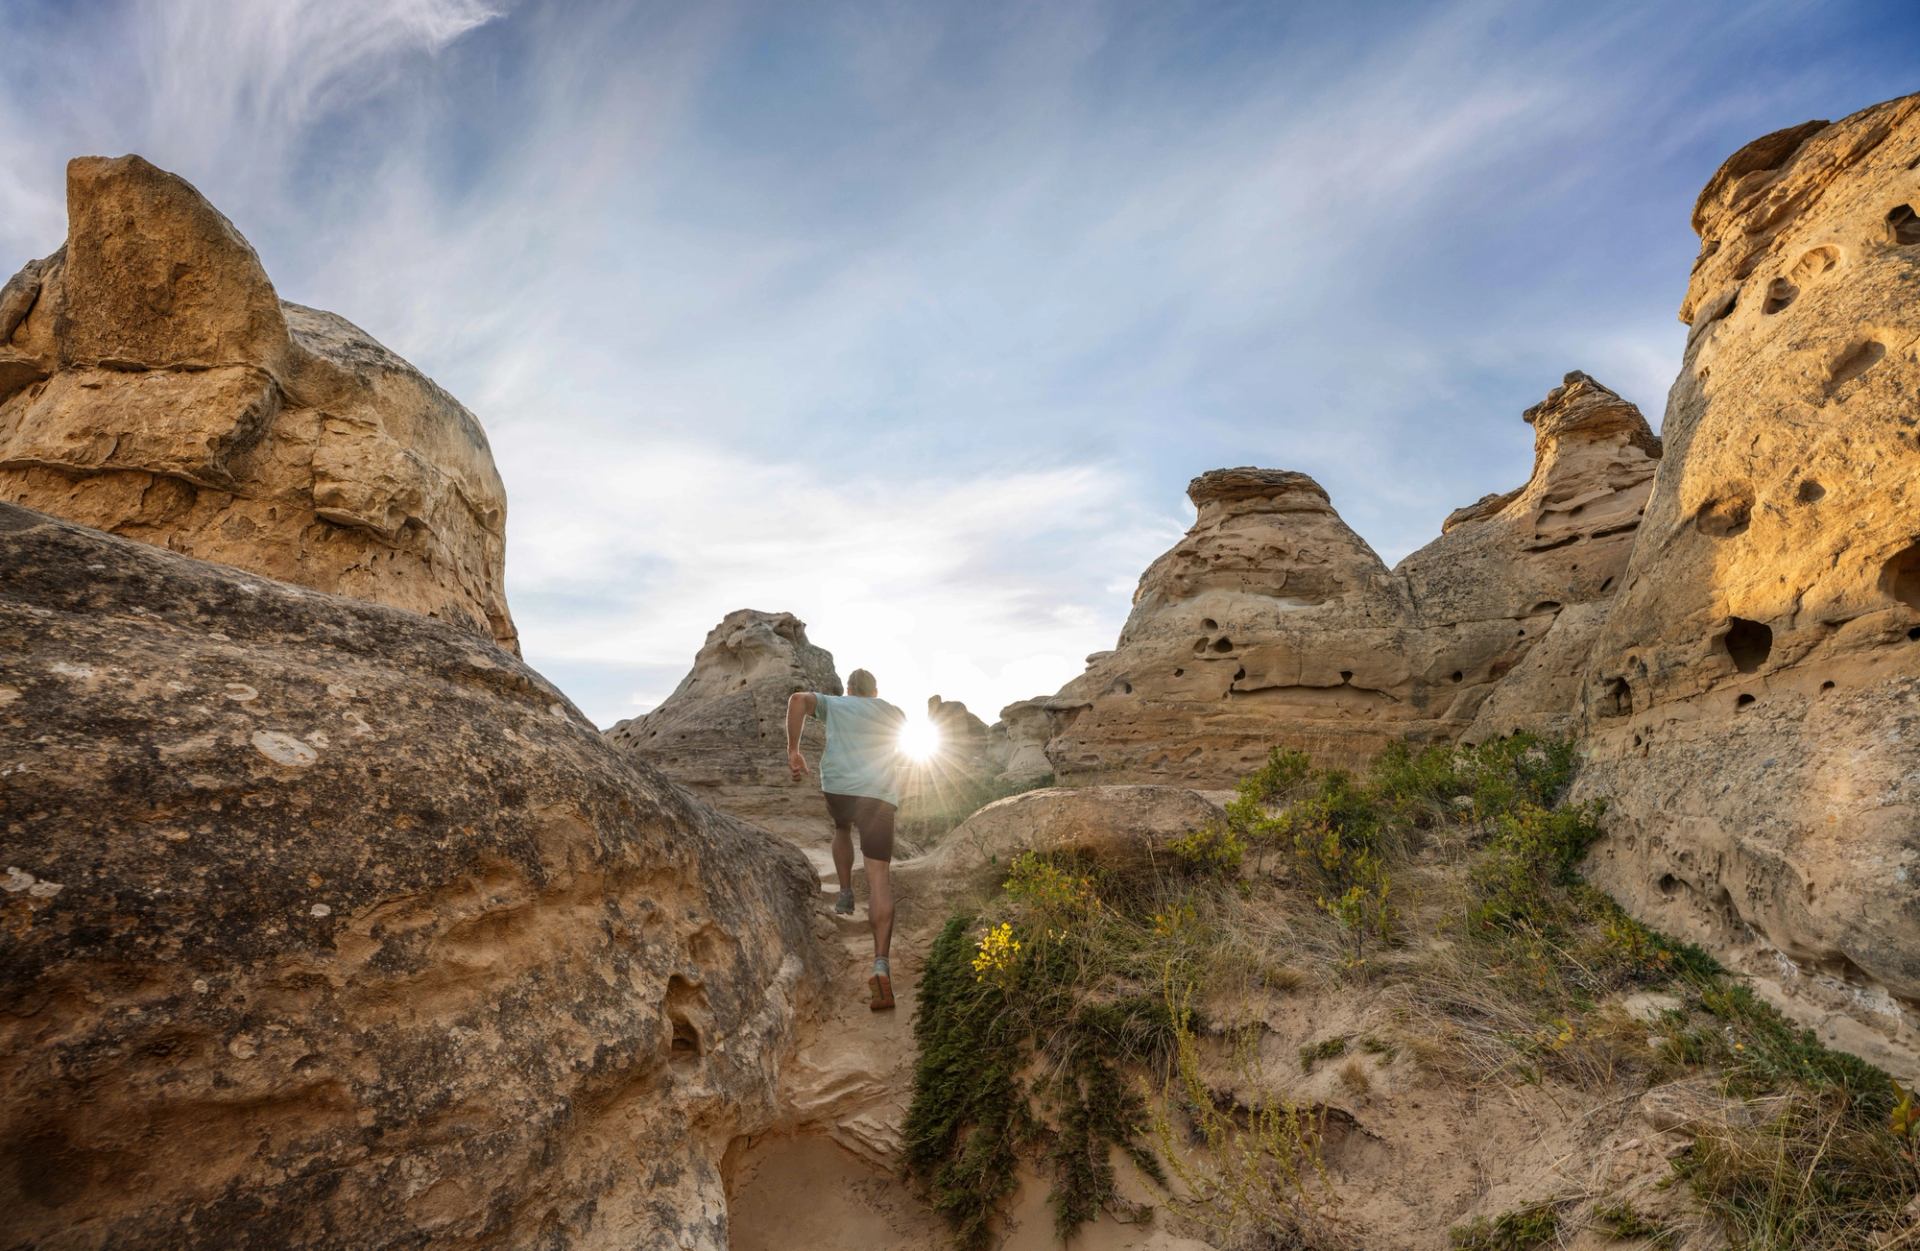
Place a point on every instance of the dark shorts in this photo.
(872, 817)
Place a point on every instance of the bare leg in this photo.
(843, 856)
(880, 905)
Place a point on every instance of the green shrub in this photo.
(968, 1116)
(1521, 1230)
(1523, 874)
(1212, 848)
(1326, 1049)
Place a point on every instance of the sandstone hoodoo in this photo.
(1515, 584)
(723, 730)
(152, 384)
(1752, 703)
(1273, 623)
(330, 926)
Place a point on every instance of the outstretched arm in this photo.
(800, 705)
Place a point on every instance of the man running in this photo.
(857, 774)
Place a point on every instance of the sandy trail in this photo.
(831, 1182)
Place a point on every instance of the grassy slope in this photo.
(1074, 1019)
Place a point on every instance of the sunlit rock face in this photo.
(1273, 624)
(152, 384)
(1511, 588)
(722, 733)
(1752, 705)
(1271, 621)
(329, 926)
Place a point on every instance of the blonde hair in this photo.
(860, 682)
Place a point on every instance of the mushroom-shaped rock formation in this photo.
(1752, 704)
(1270, 622)
(152, 384)
(722, 733)
(329, 926)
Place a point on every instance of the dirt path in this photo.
(830, 1182)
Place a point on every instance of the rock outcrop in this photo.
(722, 733)
(1752, 703)
(1269, 618)
(152, 384)
(329, 926)
(1272, 623)
(1509, 588)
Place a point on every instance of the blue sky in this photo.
(915, 319)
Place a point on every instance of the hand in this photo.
(796, 763)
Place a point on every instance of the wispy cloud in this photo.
(915, 319)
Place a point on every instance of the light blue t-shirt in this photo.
(863, 746)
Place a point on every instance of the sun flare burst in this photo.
(919, 739)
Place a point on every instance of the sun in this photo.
(919, 739)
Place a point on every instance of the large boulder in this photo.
(722, 733)
(1752, 704)
(152, 384)
(329, 926)
(1117, 826)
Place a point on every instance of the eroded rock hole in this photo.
(1346, 675)
(1669, 885)
(1855, 361)
(1546, 605)
(1900, 576)
(1617, 699)
(685, 999)
(1120, 687)
(1780, 293)
(1827, 685)
(1814, 263)
(1724, 307)
(1200, 646)
(1179, 673)
(1809, 491)
(1903, 225)
(1223, 645)
(686, 1039)
(1457, 675)
(1743, 701)
(1208, 623)
(1727, 516)
(1240, 674)
(1748, 643)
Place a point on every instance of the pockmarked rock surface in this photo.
(1751, 708)
(154, 385)
(1273, 623)
(328, 926)
(722, 733)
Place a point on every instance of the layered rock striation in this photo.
(722, 733)
(328, 926)
(1751, 707)
(152, 384)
